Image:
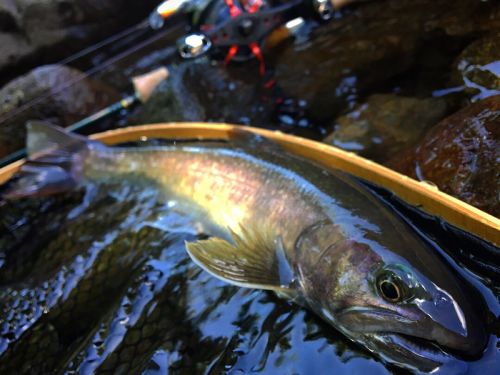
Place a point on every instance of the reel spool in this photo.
(234, 29)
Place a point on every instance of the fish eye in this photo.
(392, 288)
(389, 290)
(396, 283)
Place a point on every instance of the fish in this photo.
(315, 236)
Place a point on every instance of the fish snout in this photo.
(453, 328)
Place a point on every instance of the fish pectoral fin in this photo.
(262, 267)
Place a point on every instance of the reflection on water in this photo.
(112, 290)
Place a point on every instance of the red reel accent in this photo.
(233, 50)
(270, 84)
(254, 7)
(254, 47)
(234, 11)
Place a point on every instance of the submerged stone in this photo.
(477, 68)
(460, 155)
(386, 124)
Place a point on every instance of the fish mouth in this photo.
(393, 346)
(409, 351)
(404, 340)
(413, 326)
(413, 343)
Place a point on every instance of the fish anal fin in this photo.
(253, 261)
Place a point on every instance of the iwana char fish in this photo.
(282, 223)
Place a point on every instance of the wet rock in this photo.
(11, 48)
(236, 95)
(368, 50)
(210, 92)
(477, 68)
(172, 100)
(372, 44)
(190, 94)
(334, 71)
(9, 15)
(460, 155)
(52, 29)
(386, 124)
(46, 94)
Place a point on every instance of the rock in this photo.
(337, 69)
(386, 124)
(478, 68)
(9, 15)
(46, 94)
(190, 94)
(31, 30)
(235, 95)
(12, 46)
(372, 44)
(460, 155)
(171, 101)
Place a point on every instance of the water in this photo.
(110, 289)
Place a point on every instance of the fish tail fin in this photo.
(54, 163)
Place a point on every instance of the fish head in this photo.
(409, 312)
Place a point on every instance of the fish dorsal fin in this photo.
(44, 138)
(255, 260)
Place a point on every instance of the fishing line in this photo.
(114, 38)
(86, 74)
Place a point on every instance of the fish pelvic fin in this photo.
(54, 163)
(255, 260)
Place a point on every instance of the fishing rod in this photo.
(143, 85)
(136, 29)
(88, 73)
